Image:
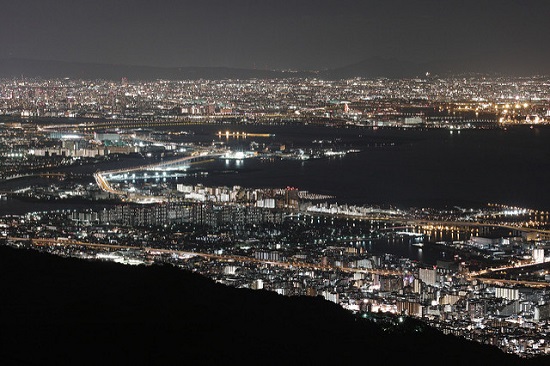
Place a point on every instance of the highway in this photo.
(443, 224)
(497, 281)
(226, 258)
(235, 258)
(431, 224)
(176, 121)
(501, 282)
(103, 183)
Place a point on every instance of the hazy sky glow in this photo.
(298, 34)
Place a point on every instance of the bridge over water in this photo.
(102, 177)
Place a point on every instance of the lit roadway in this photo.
(178, 121)
(498, 281)
(434, 224)
(236, 258)
(103, 183)
(421, 222)
(51, 242)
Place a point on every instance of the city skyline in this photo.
(301, 180)
(417, 198)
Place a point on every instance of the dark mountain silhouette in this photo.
(370, 68)
(64, 311)
(377, 67)
(14, 67)
(504, 65)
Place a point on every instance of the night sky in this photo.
(299, 34)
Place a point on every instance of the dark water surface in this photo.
(428, 168)
(422, 168)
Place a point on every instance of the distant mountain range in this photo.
(369, 68)
(489, 65)
(66, 311)
(14, 67)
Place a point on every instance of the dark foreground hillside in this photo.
(67, 311)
